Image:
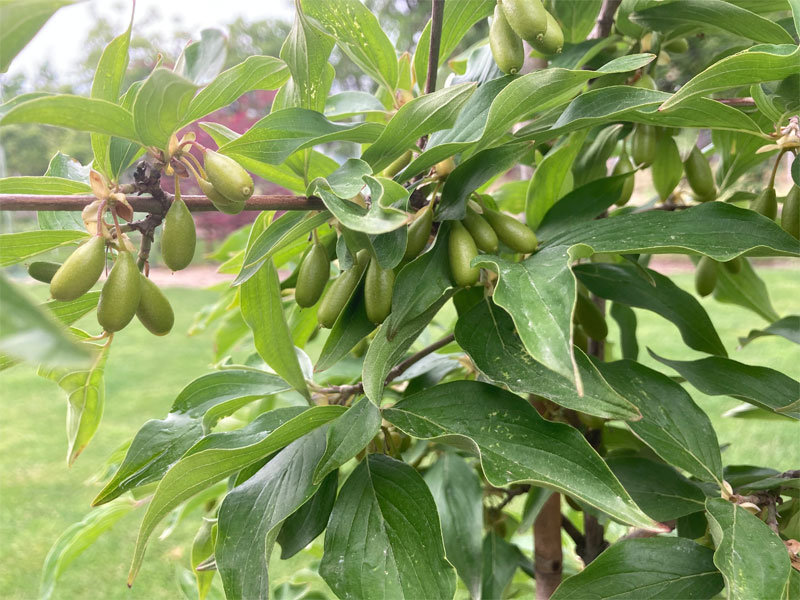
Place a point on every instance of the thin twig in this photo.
(574, 533)
(437, 17)
(736, 101)
(605, 20)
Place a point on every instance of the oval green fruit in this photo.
(154, 310)
(178, 238)
(677, 46)
(339, 292)
(121, 293)
(590, 318)
(646, 82)
(312, 276)
(398, 165)
(623, 166)
(643, 145)
(506, 45)
(80, 271)
(790, 215)
(553, 40)
(462, 249)
(480, 230)
(527, 18)
(228, 177)
(699, 175)
(766, 203)
(360, 349)
(733, 265)
(220, 202)
(378, 289)
(42, 270)
(705, 276)
(419, 232)
(511, 232)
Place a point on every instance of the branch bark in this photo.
(605, 21)
(30, 202)
(547, 557)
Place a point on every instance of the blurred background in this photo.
(39, 496)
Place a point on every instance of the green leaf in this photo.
(457, 20)
(68, 168)
(86, 396)
(161, 442)
(500, 562)
(787, 327)
(421, 116)
(660, 490)
(471, 174)
(22, 20)
(548, 179)
(202, 60)
(106, 86)
(487, 334)
(351, 326)
(762, 386)
(641, 569)
(751, 557)
(160, 107)
(251, 514)
(305, 52)
(385, 352)
(755, 65)
(29, 333)
(303, 527)
(75, 112)
(458, 494)
(626, 284)
(672, 424)
(576, 17)
(254, 73)
(262, 309)
(515, 444)
(75, 539)
(282, 133)
(716, 14)
(746, 289)
(210, 464)
(381, 217)
(348, 435)
(358, 33)
(42, 186)
(383, 538)
(346, 105)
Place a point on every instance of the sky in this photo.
(60, 40)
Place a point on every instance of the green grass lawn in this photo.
(40, 496)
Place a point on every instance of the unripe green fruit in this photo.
(677, 46)
(624, 166)
(121, 293)
(418, 233)
(220, 202)
(360, 349)
(378, 289)
(480, 230)
(154, 310)
(80, 271)
(228, 177)
(527, 18)
(790, 215)
(445, 167)
(705, 276)
(553, 40)
(733, 265)
(699, 175)
(506, 46)
(340, 291)
(590, 318)
(643, 145)
(511, 232)
(178, 237)
(766, 203)
(462, 249)
(646, 82)
(312, 276)
(43, 270)
(398, 165)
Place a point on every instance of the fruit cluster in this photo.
(518, 20)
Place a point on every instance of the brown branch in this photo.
(18, 202)
(437, 17)
(605, 20)
(547, 556)
(736, 101)
(574, 533)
